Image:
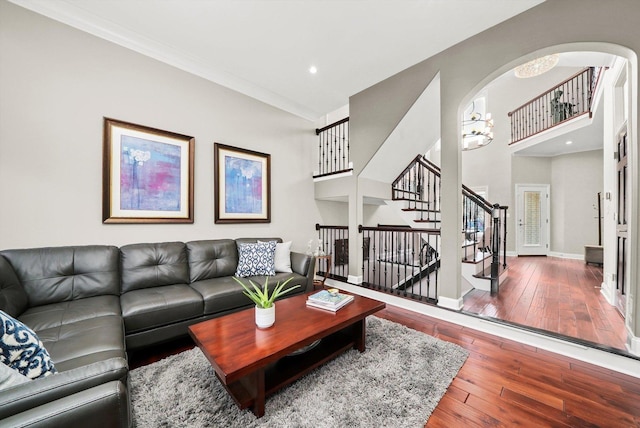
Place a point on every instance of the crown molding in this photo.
(75, 16)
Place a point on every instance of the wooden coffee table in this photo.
(252, 363)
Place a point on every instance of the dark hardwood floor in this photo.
(506, 384)
(557, 295)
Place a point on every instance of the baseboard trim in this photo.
(608, 293)
(609, 360)
(354, 279)
(633, 342)
(449, 303)
(566, 255)
(554, 254)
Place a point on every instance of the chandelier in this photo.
(537, 66)
(477, 129)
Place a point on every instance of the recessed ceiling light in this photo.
(569, 142)
(313, 69)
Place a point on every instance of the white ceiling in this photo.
(264, 48)
(419, 129)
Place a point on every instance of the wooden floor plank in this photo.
(538, 412)
(557, 295)
(508, 384)
(509, 414)
(463, 416)
(536, 387)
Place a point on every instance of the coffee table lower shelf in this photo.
(275, 376)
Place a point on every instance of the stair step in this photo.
(468, 244)
(408, 192)
(486, 274)
(420, 201)
(424, 210)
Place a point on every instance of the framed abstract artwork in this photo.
(242, 185)
(147, 175)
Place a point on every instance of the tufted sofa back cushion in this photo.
(212, 258)
(153, 265)
(13, 298)
(60, 274)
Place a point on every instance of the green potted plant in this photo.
(265, 301)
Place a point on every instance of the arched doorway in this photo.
(575, 173)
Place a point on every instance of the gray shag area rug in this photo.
(397, 382)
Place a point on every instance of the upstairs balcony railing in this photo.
(567, 100)
(333, 149)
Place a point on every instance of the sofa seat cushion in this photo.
(224, 294)
(56, 314)
(85, 342)
(157, 306)
(221, 294)
(296, 279)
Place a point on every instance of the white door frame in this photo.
(545, 213)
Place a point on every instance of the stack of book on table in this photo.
(329, 301)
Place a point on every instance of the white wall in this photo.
(575, 181)
(333, 213)
(494, 166)
(374, 215)
(57, 84)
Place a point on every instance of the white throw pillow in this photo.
(282, 257)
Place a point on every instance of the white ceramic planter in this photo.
(265, 318)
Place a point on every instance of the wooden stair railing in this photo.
(419, 186)
(484, 226)
(402, 261)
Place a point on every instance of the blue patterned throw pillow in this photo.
(256, 259)
(21, 349)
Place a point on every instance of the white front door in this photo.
(532, 219)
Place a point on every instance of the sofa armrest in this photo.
(38, 392)
(304, 264)
(105, 405)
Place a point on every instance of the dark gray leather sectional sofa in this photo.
(91, 304)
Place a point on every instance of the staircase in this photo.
(417, 188)
(416, 194)
(403, 260)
